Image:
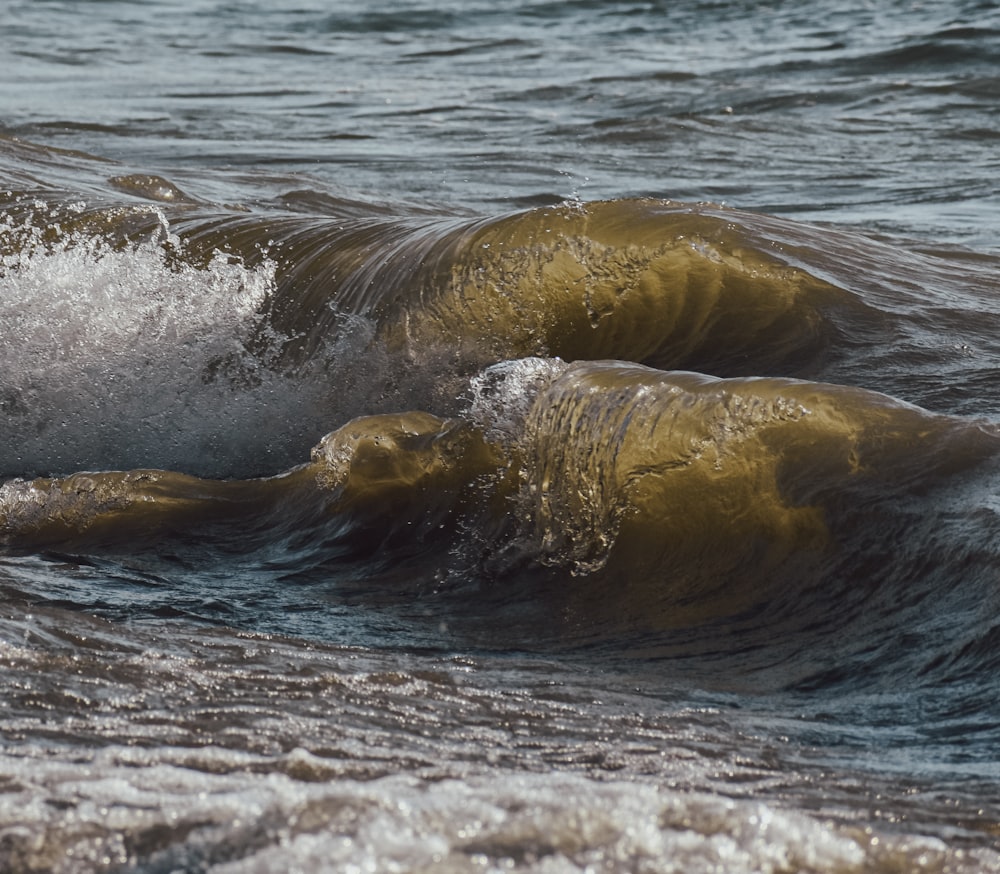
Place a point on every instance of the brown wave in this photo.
(671, 285)
(680, 497)
(667, 284)
(684, 497)
(371, 477)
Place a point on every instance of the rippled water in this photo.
(551, 437)
(882, 117)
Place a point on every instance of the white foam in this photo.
(237, 813)
(502, 395)
(162, 748)
(121, 358)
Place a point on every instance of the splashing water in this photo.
(126, 356)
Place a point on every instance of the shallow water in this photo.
(554, 438)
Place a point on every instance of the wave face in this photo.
(409, 462)
(224, 312)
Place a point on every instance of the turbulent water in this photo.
(548, 437)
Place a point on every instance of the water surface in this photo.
(552, 438)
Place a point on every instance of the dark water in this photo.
(552, 437)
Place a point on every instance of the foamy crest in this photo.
(501, 396)
(129, 357)
(235, 813)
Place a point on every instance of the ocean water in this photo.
(551, 437)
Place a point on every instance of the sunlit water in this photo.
(559, 616)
